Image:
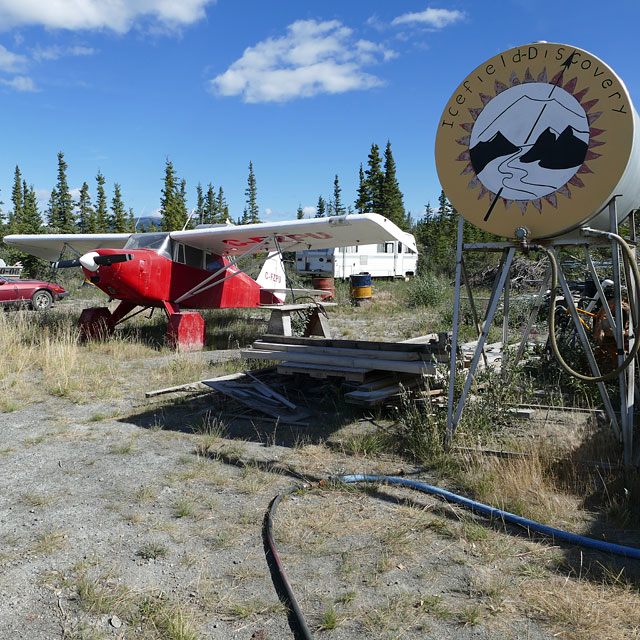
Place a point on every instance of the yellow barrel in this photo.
(360, 286)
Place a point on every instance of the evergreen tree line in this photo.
(378, 192)
(436, 235)
(64, 214)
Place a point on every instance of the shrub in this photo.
(426, 290)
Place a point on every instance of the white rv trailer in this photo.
(385, 260)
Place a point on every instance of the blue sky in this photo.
(299, 88)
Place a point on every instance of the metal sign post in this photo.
(622, 420)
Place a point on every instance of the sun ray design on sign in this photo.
(551, 160)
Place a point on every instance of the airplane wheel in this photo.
(95, 323)
(41, 300)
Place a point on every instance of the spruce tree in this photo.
(182, 201)
(17, 198)
(61, 207)
(252, 212)
(172, 203)
(222, 207)
(102, 209)
(392, 201)
(29, 221)
(338, 207)
(364, 197)
(119, 222)
(209, 207)
(321, 208)
(199, 214)
(300, 212)
(87, 222)
(375, 180)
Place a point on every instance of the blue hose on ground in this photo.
(302, 630)
(490, 512)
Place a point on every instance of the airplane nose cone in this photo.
(88, 261)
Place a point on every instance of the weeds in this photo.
(427, 290)
(152, 551)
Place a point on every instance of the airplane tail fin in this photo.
(272, 275)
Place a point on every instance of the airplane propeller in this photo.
(112, 258)
(92, 260)
(65, 264)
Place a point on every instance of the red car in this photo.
(37, 294)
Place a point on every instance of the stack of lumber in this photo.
(381, 367)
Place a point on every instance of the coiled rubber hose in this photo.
(552, 316)
(477, 507)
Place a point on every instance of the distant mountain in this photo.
(557, 152)
(485, 152)
(143, 223)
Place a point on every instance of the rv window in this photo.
(399, 247)
(380, 248)
(388, 247)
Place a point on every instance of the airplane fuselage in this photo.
(149, 279)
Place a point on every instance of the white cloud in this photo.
(11, 62)
(116, 15)
(309, 212)
(312, 58)
(434, 18)
(268, 211)
(21, 83)
(56, 52)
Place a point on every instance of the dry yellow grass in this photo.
(581, 610)
(522, 485)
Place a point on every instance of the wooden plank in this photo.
(428, 339)
(333, 351)
(374, 385)
(267, 390)
(320, 371)
(355, 363)
(192, 385)
(348, 344)
(380, 395)
(297, 307)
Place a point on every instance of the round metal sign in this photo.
(540, 136)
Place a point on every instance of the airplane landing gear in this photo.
(96, 323)
(185, 331)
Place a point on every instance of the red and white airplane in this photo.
(197, 269)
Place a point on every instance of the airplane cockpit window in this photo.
(158, 242)
(193, 256)
(212, 262)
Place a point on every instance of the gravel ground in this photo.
(148, 524)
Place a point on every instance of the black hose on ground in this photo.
(628, 255)
(278, 574)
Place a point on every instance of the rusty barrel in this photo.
(360, 288)
(325, 284)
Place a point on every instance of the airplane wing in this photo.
(297, 235)
(50, 246)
